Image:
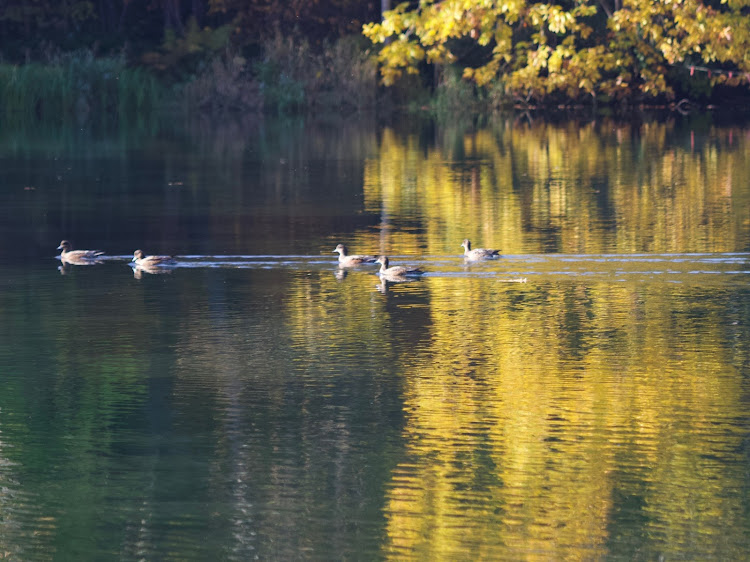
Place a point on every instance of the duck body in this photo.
(478, 253)
(69, 255)
(397, 271)
(144, 261)
(345, 260)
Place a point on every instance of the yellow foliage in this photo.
(641, 38)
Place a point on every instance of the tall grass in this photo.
(75, 85)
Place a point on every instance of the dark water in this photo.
(584, 397)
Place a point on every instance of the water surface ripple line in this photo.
(617, 266)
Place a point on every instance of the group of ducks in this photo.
(89, 257)
(401, 272)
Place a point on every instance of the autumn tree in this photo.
(623, 49)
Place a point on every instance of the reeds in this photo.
(74, 86)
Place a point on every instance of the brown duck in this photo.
(478, 253)
(345, 260)
(81, 257)
(397, 270)
(144, 261)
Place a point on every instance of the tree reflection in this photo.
(281, 410)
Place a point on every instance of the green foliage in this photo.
(73, 86)
(281, 71)
(697, 87)
(454, 96)
(543, 50)
(138, 92)
(280, 91)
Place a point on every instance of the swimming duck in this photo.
(478, 253)
(81, 257)
(351, 261)
(397, 270)
(151, 261)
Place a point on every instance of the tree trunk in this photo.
(385, 5)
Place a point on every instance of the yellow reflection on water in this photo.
(548, 420)
(595, 187)
(596, 410)
(539, 413)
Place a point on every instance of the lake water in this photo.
(586, 396)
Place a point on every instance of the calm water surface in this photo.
(584, 397)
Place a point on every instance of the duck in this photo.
(351, 261)
(85, 257)
(397, 271)
(478, 253)
(151, 261)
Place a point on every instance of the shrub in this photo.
(225, 84)
(338, 75)
(453, 94)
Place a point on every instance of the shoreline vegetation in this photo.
(347, 58)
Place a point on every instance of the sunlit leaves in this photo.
(541, 48)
